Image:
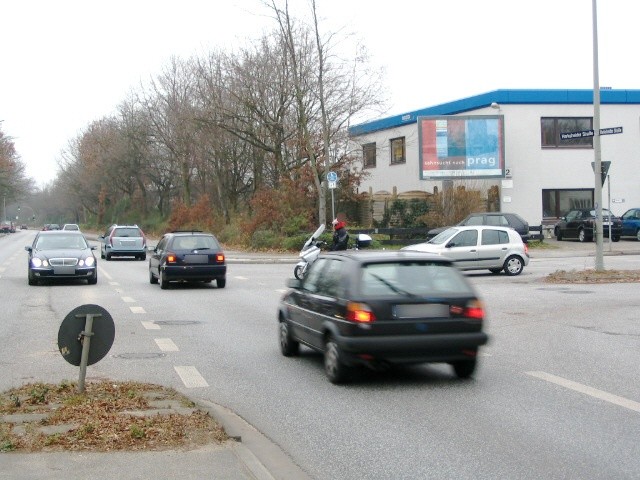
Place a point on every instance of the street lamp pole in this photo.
(597, 169)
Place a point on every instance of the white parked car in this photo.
(479, 247)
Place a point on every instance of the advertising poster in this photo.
(457, 147)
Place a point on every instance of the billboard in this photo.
(459, 147)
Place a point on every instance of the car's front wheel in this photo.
(288, 346)
(495, 270)
(558, 234)
(31, 278)
(93, 279)
(464, 368)
(298, 271)
(513, 265)
(334, 368)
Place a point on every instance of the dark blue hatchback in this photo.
(187, 256)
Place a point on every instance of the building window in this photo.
(369, 154)
(552, 127)
(397, 150)
(556, 203)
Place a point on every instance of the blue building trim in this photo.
(504, 97)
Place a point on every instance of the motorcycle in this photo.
(312, 248)
(309, 253)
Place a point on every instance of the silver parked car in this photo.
(479, 247)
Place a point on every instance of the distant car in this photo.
(187, 256)
(123, 241)
(59, 254)
(580, 224)
(496, 219)
(6, 227)
(378, 309)
(53, 226)
(23, 227)
(70, 226)
(631, 223)
(479, 248)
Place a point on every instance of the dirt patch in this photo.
(107, 416)
(594, 276)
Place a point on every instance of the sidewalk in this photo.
(249, 455)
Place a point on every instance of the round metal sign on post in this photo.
(70, 335)
(332, 177)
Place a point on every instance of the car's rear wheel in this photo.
(582, 236)
(164, 283)
(107, 256)
(638, 235)
(152, 278)
(464, 368)
(288, 346)
(142, 257)
(615, 238)
(334, 368)
(513, 265)
(101, 254)
(221, 282)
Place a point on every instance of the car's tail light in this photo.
(111, 237)
(526, 249)
(474, 310)
(360, 313)
(219, 257)
(171, 258)
(144, 239)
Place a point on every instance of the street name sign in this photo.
(590, 133)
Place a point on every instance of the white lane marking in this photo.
(128, 300)
(593, 392)
(114, 284)
(238, 277)
(190, 377)
(166, 345)
(102, 272)
(150, 325)
(137, 310)
(281, 290)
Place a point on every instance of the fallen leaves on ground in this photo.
(594, 276)
(96, 420)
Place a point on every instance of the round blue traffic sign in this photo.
(332, 177)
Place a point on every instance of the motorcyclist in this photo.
(340, 235)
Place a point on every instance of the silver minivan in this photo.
(479, 247)
(123, 241)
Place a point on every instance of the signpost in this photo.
(332, 180)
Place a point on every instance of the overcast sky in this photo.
(66, 63)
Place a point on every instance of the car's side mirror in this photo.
(28, 248)
(93, 247)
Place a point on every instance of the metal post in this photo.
(596, 144)
(609, 208)
(333, 207)
(85, 338)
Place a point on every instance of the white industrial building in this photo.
(541, 171)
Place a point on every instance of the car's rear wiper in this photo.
(398, 290)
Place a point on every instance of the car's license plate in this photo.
(421, 310)
(127, 243)
(606, 224)
(64, 270)
(196, 259)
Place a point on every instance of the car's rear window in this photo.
(421, 278)
(127, 232)
(195, 242)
